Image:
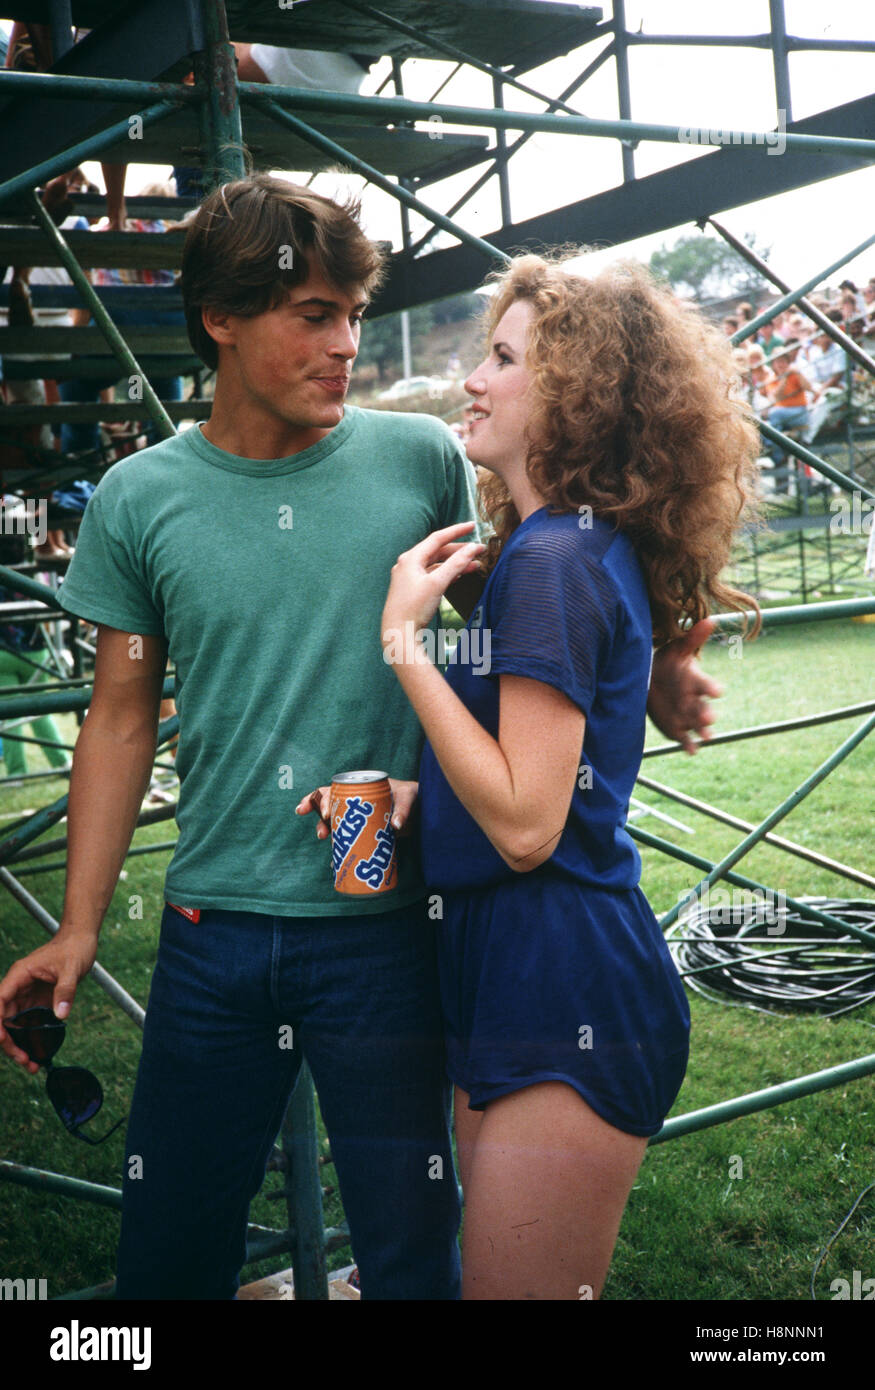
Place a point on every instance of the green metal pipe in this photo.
(518, 144)
(786, 806)
(36, 742)
(40, 85)
(35, 825)
(393, 109)
(215, 72)
(810, 310)
(314, 137)
(801, 851)
(52, 689)
(30, 587)
(801, 613)
(57, 864)
(152, 817)
(42, 1181)
(814, 914)
(91, 148)
(765, 1100)
(115, 340)
(792, 446)
(440, 46)
(751, 41)
(96, 1293)
(32, 828)
(793, 296)
(304, 1190)
(263, 1240)
(61, 702)
(35, 776)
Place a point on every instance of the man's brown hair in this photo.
(252, 240)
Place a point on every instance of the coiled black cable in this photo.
(777, 962)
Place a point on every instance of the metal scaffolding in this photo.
(128, 76)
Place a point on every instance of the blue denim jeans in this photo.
(361, 996)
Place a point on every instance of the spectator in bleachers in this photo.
(828, 371)
(769, 339)
(853, 317)
(760, 378)
(745, 312)
(86, 437)
(869, 300)
(829, 360)
(848, 288)
(788, 410)
(730, 325)
(300, 67)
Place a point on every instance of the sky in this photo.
(806, 229)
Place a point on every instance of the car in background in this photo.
(432, 386)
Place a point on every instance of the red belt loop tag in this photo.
(192, 913)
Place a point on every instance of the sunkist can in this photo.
(362, 837)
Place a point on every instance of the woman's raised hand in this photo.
(422, 574)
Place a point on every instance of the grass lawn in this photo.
(691, 1230)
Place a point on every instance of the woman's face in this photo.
(499, 385)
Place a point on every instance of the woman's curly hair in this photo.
(635, 413)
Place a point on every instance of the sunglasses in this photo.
(75, 1093)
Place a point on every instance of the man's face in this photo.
(293, 362)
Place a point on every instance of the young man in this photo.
(256, 551)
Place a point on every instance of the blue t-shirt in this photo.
(566, 605)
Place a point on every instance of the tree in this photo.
(705, 264)
(457, 308)
(381, 339)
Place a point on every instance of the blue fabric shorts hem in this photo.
(480, 1095)
(543, 979)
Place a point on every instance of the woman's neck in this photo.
(524, 496)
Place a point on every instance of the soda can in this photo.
(362, 837)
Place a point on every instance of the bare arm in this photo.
(517, 787)
(112, 763)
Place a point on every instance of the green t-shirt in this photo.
(268, 579)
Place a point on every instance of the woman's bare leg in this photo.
(546, 1187)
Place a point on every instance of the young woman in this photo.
(620, 461)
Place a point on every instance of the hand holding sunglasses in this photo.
(75, 1093)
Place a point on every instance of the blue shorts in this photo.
(544, 979)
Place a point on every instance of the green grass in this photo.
(690, 1231)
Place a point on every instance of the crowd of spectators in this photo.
(795, 376)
